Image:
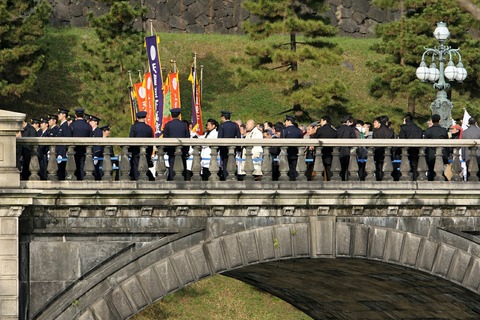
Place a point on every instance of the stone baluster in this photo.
(214, 167)
(336, 166)
(439, 167)
(178, 164)
(248, 164)
(107, 164)
(160, 165)
(387, 165)
(473, 164)
(267, 164)
(124, 163)
(196, 164)
(370, 165)
(318, 166)
(34, 166)
(142, 164)
(353, 166)
(70, 167)
(422, 165)
(456, 166)
(283, 165)
(231, 165)
(52, 166)
(89, 166)
(405, 167)
(301, 165)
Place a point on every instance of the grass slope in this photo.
(218, 298)
(59, 82)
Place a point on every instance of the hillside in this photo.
(59, 83)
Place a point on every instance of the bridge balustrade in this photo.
(396, 164)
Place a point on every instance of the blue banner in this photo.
(153, 54)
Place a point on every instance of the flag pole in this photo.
(140, 75)
(130, 76)
(201, 82)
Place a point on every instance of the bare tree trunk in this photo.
(411, 105)
(402, 33)
(469, 6)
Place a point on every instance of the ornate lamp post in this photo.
(442, 105)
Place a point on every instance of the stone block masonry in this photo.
(353, 18)
(9, 262)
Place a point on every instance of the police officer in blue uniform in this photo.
(291, 132)
(61, 151)
(140, 130)
(42, 150)
(227, 129)
(80, 129)
(176, 128)
(52, 125)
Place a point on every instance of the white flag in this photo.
(466, 117)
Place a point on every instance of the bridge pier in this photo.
(10, 125)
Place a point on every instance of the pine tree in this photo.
(105, 72)
(299, 42)
(21, 54)
(404, 41)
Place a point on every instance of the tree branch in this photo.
(470, 7)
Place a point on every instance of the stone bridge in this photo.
(334, 249)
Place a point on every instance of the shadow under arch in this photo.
(138, 277)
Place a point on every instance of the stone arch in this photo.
(142, 275)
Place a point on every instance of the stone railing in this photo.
(344, 152)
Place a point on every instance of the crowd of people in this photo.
(61, 125)
(84, 125)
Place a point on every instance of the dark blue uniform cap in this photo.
(225, 113)
(35, 120)
(52, 116)
(79, 111)
(290, 118)
(175, 110)
(94, 118)
(64, 111)
(141, 114)
(105, 128)
(44, 120)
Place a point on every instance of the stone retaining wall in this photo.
(353, 17)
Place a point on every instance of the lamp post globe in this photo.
(441, 75)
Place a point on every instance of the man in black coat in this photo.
(61, 151)
(140, 130)
(176, 128)
(381, 132)
(409, 130)
(80, 129)
(227, 129)
(345, 131)
(25, 152)
(326, 131)
(292, 132)
(435, 132)
(96, 150)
